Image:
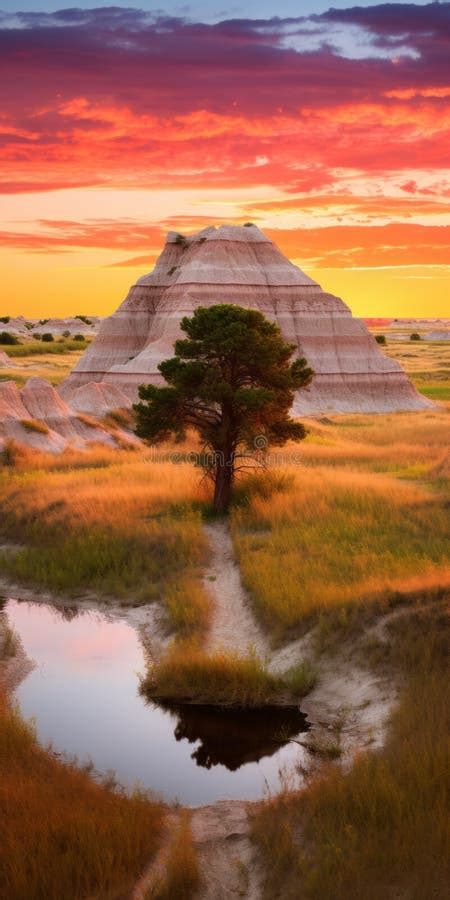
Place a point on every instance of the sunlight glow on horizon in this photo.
(342, 161)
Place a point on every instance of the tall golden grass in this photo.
(363, 518)
(122, 525)
(222, 678)
(63, 835)
(381, 830)
(182, 875)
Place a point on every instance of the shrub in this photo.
(5, 319)
(415, 336)
(79, 337)
(66, 334)
(7, 338)
(47, 337)
(380, 338)
(37, 336)
(84, 319)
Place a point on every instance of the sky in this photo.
(329, 127)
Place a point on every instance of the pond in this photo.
(83, 695)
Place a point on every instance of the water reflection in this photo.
(231, 737)
(83, 694)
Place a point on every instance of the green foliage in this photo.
(38, 349)
(7, 338)
(232, 380)
(47, 337)
(79, 337)
(380, 338)
(5, 319)
(84, 319)
(415, 336)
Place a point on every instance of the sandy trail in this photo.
(234, 626)
(228, 866)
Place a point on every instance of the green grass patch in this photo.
(131, 564)
(39, 348)
(108, 530)
(435, 391)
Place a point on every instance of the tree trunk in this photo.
(222, 485)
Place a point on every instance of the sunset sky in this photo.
(328, 128)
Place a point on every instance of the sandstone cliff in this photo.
(234, 264)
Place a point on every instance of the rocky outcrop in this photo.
(5, 361)
(97, 398)
(37, 417)
(27, 328)
(233, 264)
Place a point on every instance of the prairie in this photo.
(50, 361)
(360, 520)
(119, 524)
(426, 362)
(380, 829)
(343, 527)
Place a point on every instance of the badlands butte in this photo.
(228, 264)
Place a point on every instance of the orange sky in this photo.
(115, 128)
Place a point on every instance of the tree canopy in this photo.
(232, 380)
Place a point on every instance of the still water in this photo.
(83, 695)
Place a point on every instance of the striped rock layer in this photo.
(37, 417)
(234, 264)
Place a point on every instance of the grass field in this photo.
(342, 526)
(120, 524)
(63, 835)
(381, 830)
(426, 362)
(54, 365)
(361, 518)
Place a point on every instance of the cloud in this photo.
(122, 98)
(334, 246)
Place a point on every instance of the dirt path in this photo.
(234, 626)
(228, 865)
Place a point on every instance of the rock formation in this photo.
(5, 361)
(28, 328)
(233, 264)
(37, 417)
